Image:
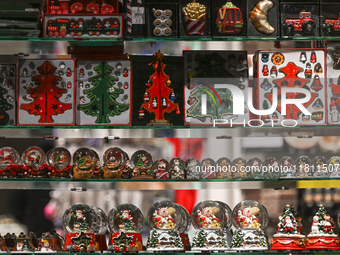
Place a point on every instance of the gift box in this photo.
(262, 18)
(291, 69)
(207, 100)
(46, 92)
(162, 19)
(299, 18)
(228, 18)
(194, 18)
(7, 95)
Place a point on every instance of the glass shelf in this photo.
(198, 252)
(147, 184)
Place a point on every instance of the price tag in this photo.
(138, 15)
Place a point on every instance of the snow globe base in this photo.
(322, 242)
(185, 240)
(78, 242)
(288, 242)
(164, 240)
(100, 239)
(209, 240)
(249, 240)
(125, 242)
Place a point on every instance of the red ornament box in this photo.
(125, 242)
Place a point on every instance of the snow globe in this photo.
(288, 236)
(59, 160)
(141, 162)
(322, 234)
(287, 167)
(126, 221)
(100, 227)
(177, 169)
(249, 219)
(320, 167)
(334, 167)
(209, 219)
(193, 167)
(84, 163)
(239, 168)
(97, 166)
(223, 170)
(165, 218)
(114, 163)
(185, 227)
(304, 167)
(270, 168)
(161, 169)
(208, 166)
(255, 168)
(34, 161)
(79, 222)
(9, 162)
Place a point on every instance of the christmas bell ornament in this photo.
(322, 234)
(9, 162)
(84, 161)
(59, 160)
(210, 218)
(114, 163)
(126, 221)
(165, 218)
(249, 219)
(141, 162)
(80, 222)
(288, 236)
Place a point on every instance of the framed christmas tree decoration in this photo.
(7, 95)
(103, 92)
(46, 92)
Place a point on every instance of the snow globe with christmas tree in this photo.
(288, 236)
(209, 219)
(84, 160)
(59, 160)
(79, 222)
(249, 219)
(142, 165)
(322, 234)
(126, 221)
(165, 218)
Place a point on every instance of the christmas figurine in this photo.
(114, 163)
(322, 234)
(46, 243)
(288, 236)
(23, 244)
(79, 222)
(308, 71)
(249, 218)
(334, 112)
(177, 169)
(303, 57)
(161, 168)
(313, 57)
(193, 168)
(287, 167)
(59, 160)
(165, 218)
(210, 219)
(126, 221)
(84, 164)
(223, 169)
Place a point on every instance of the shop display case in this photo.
(136, 152)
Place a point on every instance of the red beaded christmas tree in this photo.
(160, 96)
(293, 81)
(46, 95)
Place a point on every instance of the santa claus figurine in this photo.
(207, 218)
(163, 218)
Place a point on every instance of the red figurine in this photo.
(76, 7)
(313, 57)
(229, 19)
(265, 70)
(92, 8)
(107, 9)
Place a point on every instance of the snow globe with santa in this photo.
(126, 221)
(322, 235)
(249, 219)
(165, 219)
(288, 235)
(79, 222)
(210, 218)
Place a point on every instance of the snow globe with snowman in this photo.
(209, 219)
(288, 235)
(249, 219)
(79, 222)
(322, 235)
(126, 221)
(165, 219)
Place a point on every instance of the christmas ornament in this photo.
(23, 244)
(208, 169)
(195, 18)
(288, 236)
(209, 220)
(9, 162)
(223, 169)
(105, 100)
(287, 167)
(255, 168)
(320, 167)
(141, 162)
(114, 163)
(161, 168)
(177, 169)
(59, 160)
(159, 91)
(42, 98)
(126, 221)
(79, 222)
(226, 22)
(34, 161)
(7, 95)
(322, 234)
(84, 161)
(193, 167)
(259, 17)
(249, 219)
(165, 218)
